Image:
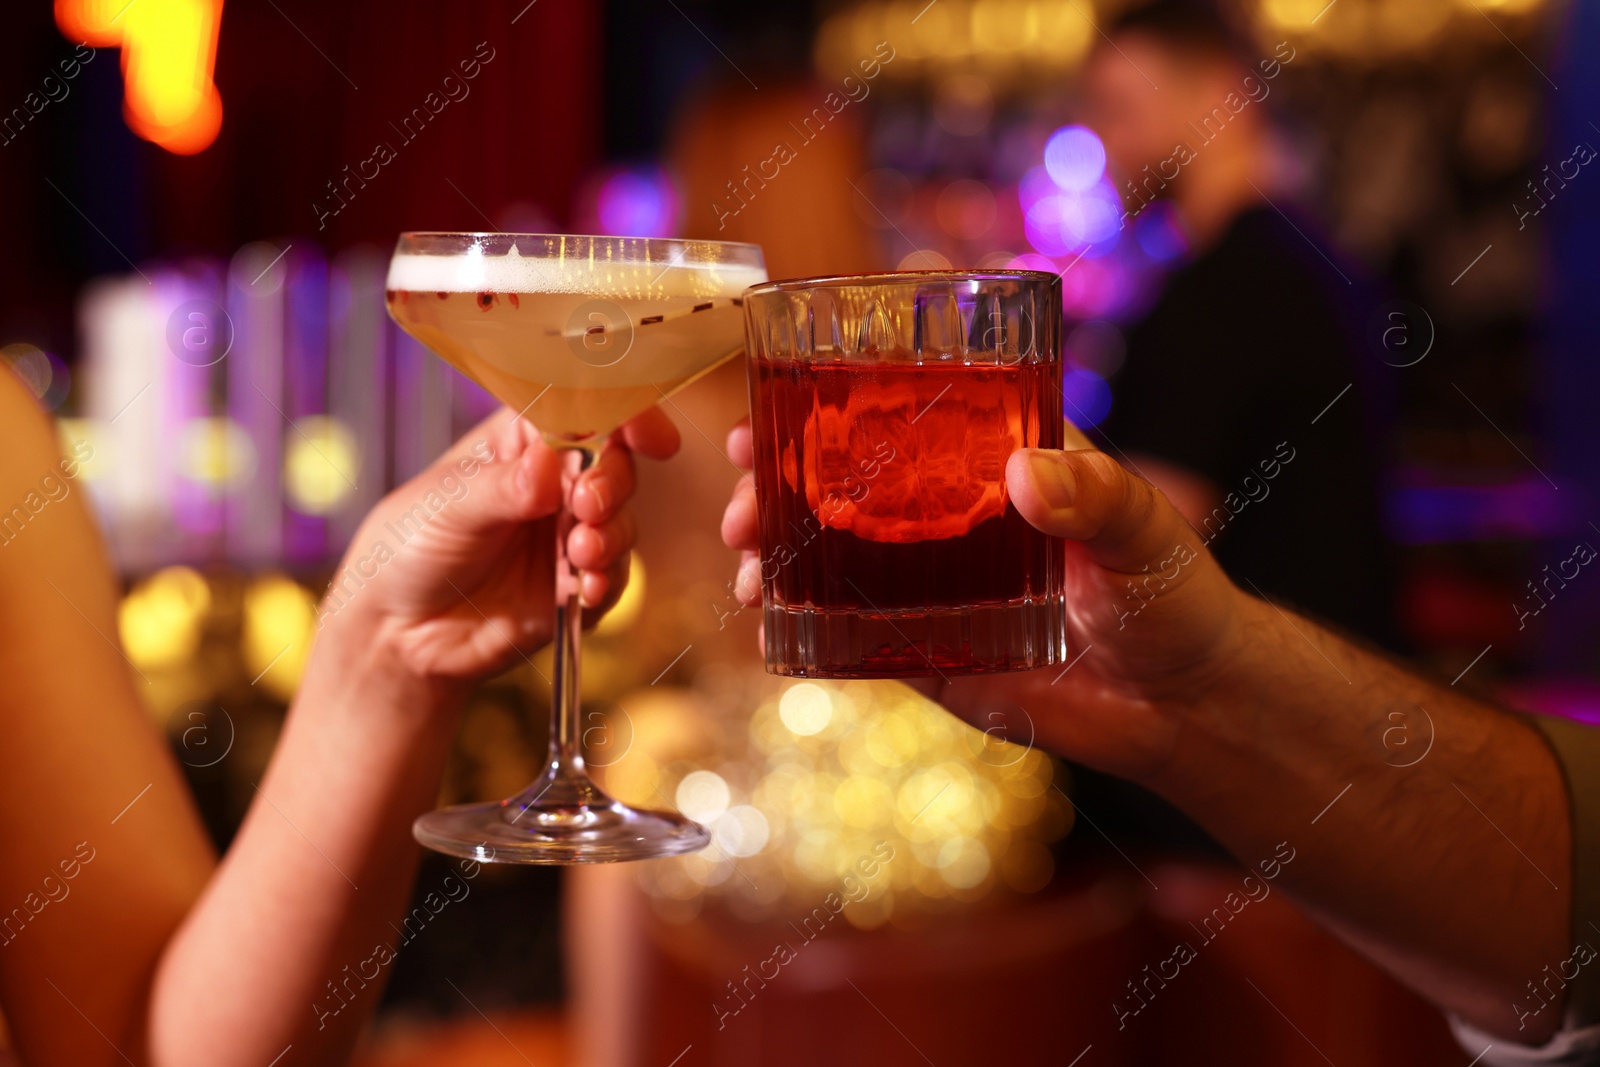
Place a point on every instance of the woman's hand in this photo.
(455, 570)
(1152, 615)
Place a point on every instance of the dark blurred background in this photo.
(1413, 138)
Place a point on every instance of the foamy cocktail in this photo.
(578, 335)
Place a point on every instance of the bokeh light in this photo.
(216, 451)
(1011, 42)
(740, 831)
(1096, 287)
(637, 202)
(320, 465)
(161, 618)
(1086, 398)
(83, 440)
(1060, 221)
(1045, 226)
(626, 611)
(42, 372)
(169, 53)
(702, 795)
(1074, 158)
(279, 623)
(1160, 232)
(1034, 185)
(1093, 217)
(1033, 261)
(806, 708)
(871, 766)
(1298, 15)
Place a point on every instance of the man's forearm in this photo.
(319, 872)
(1431, 831)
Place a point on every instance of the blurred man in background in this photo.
(1236, 397)
(1240, 397)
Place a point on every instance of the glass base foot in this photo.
(586, 828)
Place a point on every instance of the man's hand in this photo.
(455, 570)
(1454, 871)
(1151, 618)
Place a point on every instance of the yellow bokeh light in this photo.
(80, 442)
(160, 619)
(741, 831)
(872, 766)
(767, 732)
(215, 451)
(1510, 7)
(1065, 29)
(279, 623)
(320, 464)
(702, 795)
(942, 30)
(1009, 40)
(633, 779)
(864, 802)
(994, 26)
(1293, 14)
(891, 740)
(806, 708)
(169, 54)
(626, 611)
(963, 862)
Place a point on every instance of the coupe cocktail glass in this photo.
(884, 408)
(578, 334)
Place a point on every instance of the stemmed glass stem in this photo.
(565, 762)
(566, 743)
(563, 817)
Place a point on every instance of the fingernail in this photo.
(1053, 478)
(748, 584)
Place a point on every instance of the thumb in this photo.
(1121, 519)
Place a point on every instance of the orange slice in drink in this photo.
(921, 458)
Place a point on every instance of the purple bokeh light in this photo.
(1045, 226)
(1160, 232)
(1034, 185)
(1085, 398)
(637, 203)
(1074, 158)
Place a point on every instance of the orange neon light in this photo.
(169, 53)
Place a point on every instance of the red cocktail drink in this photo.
(889, 544)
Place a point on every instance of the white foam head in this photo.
(474, 272)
